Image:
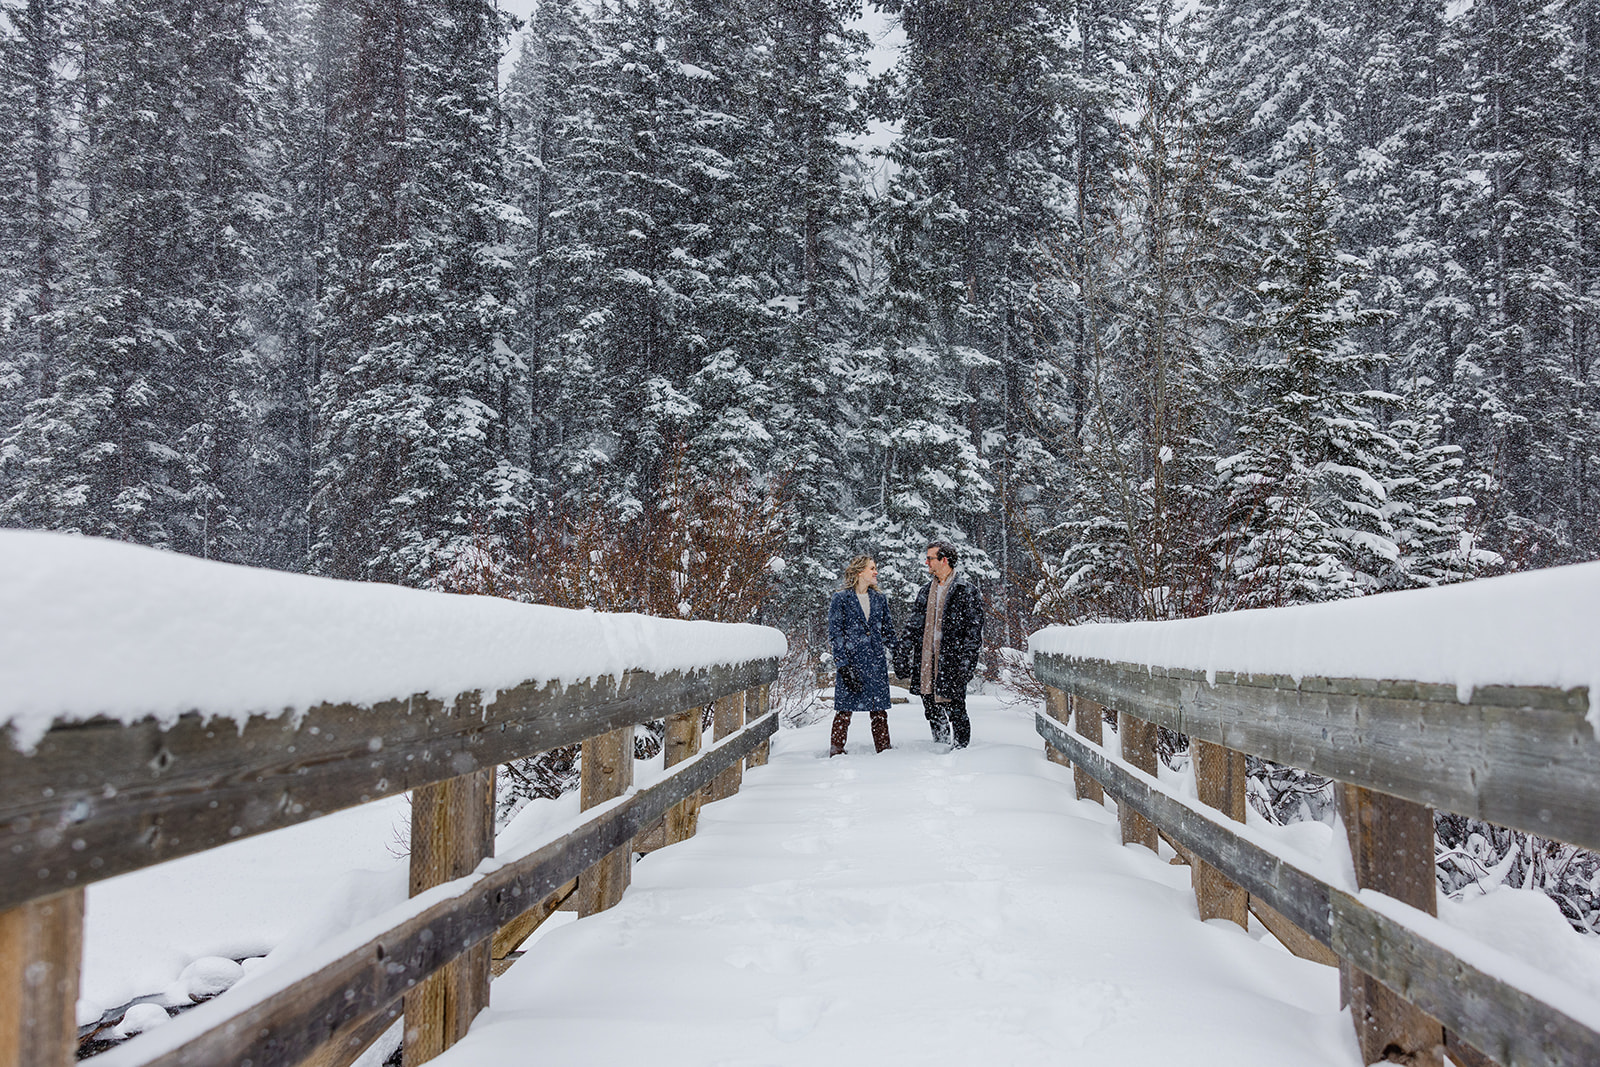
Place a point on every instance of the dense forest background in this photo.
(1154, 310)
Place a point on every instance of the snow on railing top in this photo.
(91, 627)
(1539, 628)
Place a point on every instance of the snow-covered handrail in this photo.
(153, 706)
(1480, 699)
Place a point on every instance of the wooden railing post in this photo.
(683, 736)
(452, 831)
(1087, 718)
(606, 773)
(1138, 748)
(1391, 844)
(727, 717)
(1219, 778)
(758, 703)
(41, 956)
(1055, 706)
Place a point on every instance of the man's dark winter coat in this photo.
(958, 645)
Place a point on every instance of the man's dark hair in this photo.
(946, 552)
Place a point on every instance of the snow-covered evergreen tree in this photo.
(34, 111)
(1305, 491)
(1129, 533)
(1425, 508)
(138, 433)
(979, 198)
(416, 377)
(808, 189)
(1519, 389)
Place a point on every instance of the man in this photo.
(939, 652)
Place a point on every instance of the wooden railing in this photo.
(101, 798)
(1524, 757)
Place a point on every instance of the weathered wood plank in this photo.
(607, 772)
(99, 799)
(509, 938)
(1524, 757)
(684, 735)
(41, 953)
(1219, 776)
(1055, 706)
(354, 1039)
(1291, 936)
(727, 716)
(284, 1027)
(758, 703)
(1391, 845)
(1463, 1054)
(452, 831)
(1509, 1025)
(1089, 719)
(1138, 739)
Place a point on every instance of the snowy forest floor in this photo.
(918, 906)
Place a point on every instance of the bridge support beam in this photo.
(727, 718)
(1055, 706)
(1219, 776)
(758, 702)
(1089, 720)
(683, 736)
(41, 954)
(1138, 748)
(606, 773)
(452, 830)
(1391, 844)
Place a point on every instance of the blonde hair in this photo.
(853, 571)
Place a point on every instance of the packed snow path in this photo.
(917, 906)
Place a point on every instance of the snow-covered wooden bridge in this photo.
(991, 904)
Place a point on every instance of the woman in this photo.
(860, 629)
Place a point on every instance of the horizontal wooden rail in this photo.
(340, 996)
(1389, 941)
(1524, 757)
(101, 798)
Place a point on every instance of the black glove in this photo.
(851, 677)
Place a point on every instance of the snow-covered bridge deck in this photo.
(916, 906)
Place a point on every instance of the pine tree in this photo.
(1517, 390)
(413, 442)
(980, 109)
(34, 112)
(1425, 508)
(544, 108)
(806, 255)
(1305, 492)
(136, 435)
(1134, 520)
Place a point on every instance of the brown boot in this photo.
(841, 729)
(880, 730)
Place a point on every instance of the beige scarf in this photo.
(931, 635)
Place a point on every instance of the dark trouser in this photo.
(841, 730)
(947, 716)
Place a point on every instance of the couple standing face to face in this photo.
(938, 566)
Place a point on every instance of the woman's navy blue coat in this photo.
(860, 642)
